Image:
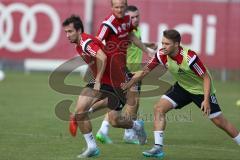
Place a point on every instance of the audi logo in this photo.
(28, 27)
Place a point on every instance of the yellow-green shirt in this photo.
(134, 54)
(185, 77)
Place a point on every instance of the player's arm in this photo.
(151, 45)
(139, 44)
(207, 89)
(103, 32)
(101, 60)
(200, 70)
(138, 76)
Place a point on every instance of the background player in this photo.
(116, 31)
(134, 63)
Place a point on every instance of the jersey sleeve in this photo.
(196, 64)
(153, 63)
(91, 48)
(103, 32)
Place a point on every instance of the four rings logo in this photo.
(28, 27)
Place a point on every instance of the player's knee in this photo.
(113, 122)
(81, 114)
(80, 110)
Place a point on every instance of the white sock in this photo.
(237, 139)
(158, 137)
(129, 133)
(104, 127)
(136, 125)
(90, 140)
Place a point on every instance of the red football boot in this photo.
(73, 126)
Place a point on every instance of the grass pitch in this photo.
(30, 129)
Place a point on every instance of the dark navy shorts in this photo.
(180, 97)
(116, 96)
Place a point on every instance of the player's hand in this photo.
(151, 52)
(205, 107)
(97, 86)
(125, 86)
(153, 46)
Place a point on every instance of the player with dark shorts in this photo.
(187, 98)
(137, 86)
(102, 88)
(116, 31)
(193, 84)
(117, 97)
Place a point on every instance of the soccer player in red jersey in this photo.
(116, 31)
(102, 89)
(194, 84)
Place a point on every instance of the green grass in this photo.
(29, 128)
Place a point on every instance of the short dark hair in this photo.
(172, 34)
(131, 8)
(76, 20)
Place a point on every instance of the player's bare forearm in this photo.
(133, 80)
(206, 86)
(205, 106)
(101, 64)
(138, 76)
(153, 46)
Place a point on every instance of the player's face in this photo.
(118, 8)
(72, 34)
(135, 17)
(168, 46)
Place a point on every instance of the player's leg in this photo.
(168, 101)
(113, 102)
(85, 100)
(160, 110)
(119, 120)
(132, 102)
(221, 122)
(102, 134)
(83, 103)
(131, 109)
(217, 117)
(130, 113)
(100, 108)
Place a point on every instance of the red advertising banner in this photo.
(32, 29)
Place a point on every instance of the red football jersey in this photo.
(87, 49)
(115, 32)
